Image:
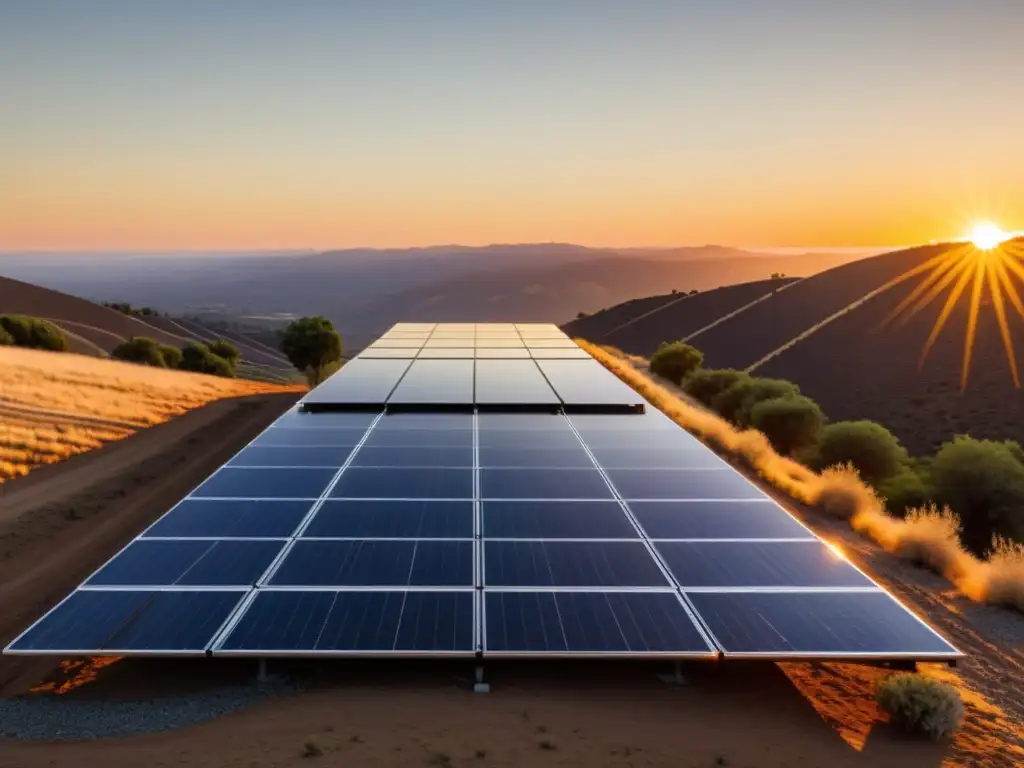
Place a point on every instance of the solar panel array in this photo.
(480, 534)
(466, 366)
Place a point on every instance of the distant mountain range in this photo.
(365, 290)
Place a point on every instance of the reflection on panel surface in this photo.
(393, 519)
(190, 562)
(231, 518)
(816, 623)
(556, 520)
(570, 564)
(755, 519)
(369, 563)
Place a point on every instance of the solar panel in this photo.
(509, 529)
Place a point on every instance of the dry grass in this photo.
(927, 536)
(55, 405)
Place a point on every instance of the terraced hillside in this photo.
(639, 326)
(853, 368)
(92, 329)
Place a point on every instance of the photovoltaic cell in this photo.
(556, 520)
(260, 483)
(369, 563)
(435, 381)
(231, 518)
(643, 484)
(565, 458)
(298, 419)
(404, 483)
(791, 624)
(587, 383)
(413, 456)
(543, 484)
(310, 438)
(591, 622)
(570, 564)
(393, 519)
(360, 382)
(512, 382)
(756, 519)
(758, 564)
(97, 622)
(191, 562)
(385, 622)
(291, 456)
(440, 438)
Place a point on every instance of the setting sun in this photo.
(987, 236)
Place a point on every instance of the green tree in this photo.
(140, 349)
(904, 491)
(171, 355)
(34, 332)
(676, 360)
(983, 483)
(198, 358)
(705, 384)
(311, 343)
(791, 422)
(870, 447)
(736, 402)
(225, 349)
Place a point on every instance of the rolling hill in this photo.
(849, 365)
(93, 329)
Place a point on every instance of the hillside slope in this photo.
(54, 405)
(855, 370)
(639, 326)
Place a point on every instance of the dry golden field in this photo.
(54, 405)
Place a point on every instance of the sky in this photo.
(251, 124)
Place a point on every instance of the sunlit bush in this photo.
(921, 704)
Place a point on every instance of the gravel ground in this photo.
(55, 718)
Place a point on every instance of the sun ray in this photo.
(940, 269)
(972, 320)
(1004, 326)
(947, 309)
(964, 265)
(1011, 292)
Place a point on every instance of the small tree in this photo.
(581, 315)
(705, 384)
(34, 332)
(171, 356)
(778, 276)
(904, 491)
(5, 338)
(983, 483)
(791, 423)
(311, 343)
(140, 349)
(198, 358)
(225, 349)
(870, 447)
(735, 403)
(675, 361)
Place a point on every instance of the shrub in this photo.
(921, 704)
(198, 358)
(905, 490)
(931, 537)
(5, 338)
(676, 361)
(1004, 582)
(1015, 450)
(171, 356)
(34, 332)
(225, 349)
(140, 349)
(870, 447)
(705, 384)
(983, 483)
(841, 493)
(736, 402)
(311, 342)
(790, 423)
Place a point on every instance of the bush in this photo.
(34, 333)
(198, 358)
(225, 349)
(736, 402)
(5, 338)
(870, 447)
(676, 361)
(905, 490)
(140, 349)
(705, 384)
(311, 342)
(790, 423)
(983, 483)
(921, 704)
(315, 376)
(171, 356)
